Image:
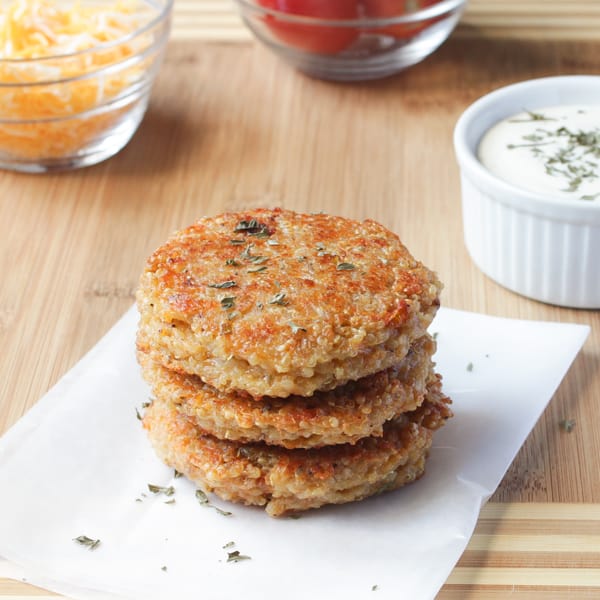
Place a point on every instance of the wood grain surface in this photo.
(229, 127)
(217, 20)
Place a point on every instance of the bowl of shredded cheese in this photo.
(529, 159)
(75, 78)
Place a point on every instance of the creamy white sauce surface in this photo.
(553, 151)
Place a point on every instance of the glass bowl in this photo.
(351, 40)
(70, 110)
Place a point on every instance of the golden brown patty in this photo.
(276, 303)
(293, 480)
(343, 415)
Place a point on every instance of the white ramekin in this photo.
(544, 248)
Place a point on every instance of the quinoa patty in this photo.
(275, 303)
(293, 480)
(343, 415)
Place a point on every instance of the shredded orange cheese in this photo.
(37, 42)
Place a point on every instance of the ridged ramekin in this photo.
(541, 247)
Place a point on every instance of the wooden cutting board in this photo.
(216, 20)
(230, 126)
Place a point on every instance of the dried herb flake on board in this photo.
(567, 425)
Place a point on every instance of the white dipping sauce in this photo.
(553, 151)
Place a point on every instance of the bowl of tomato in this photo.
(351, 40)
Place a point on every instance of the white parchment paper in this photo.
(77, 461)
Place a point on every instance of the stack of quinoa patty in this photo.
(289, 358)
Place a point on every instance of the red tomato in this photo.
(317, 39)
(394, 8)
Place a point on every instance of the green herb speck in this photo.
(345, 267)
(247, 253)
(567, 425)
(252, 227)
(296, 328)
(203, 501)
(258, 260)
(235, 556)
(228, 302)
(533, 116)
(278, 298)
(84, 540)
(157, 489)
(223, 285)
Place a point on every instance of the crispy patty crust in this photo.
(275, 303)
(344, 415)
(293, 480)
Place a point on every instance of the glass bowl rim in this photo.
(435, 10)
(104, 70)
(161, 16)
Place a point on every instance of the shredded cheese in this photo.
(53, 58)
